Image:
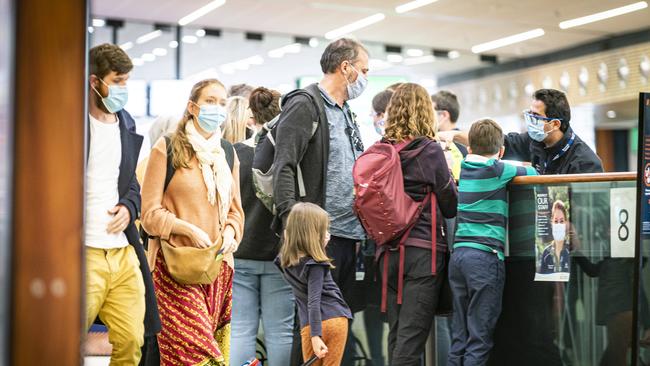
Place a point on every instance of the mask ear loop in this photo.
(97, 91)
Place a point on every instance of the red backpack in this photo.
(384, 208)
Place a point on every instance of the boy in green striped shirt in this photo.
(476, 269)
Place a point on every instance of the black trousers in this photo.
(410, 322)
(344, 253)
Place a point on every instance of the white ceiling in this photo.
(445, 24)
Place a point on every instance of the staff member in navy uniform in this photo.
(552, 147)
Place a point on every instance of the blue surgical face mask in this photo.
(211, 116)
(117, 98)
(535, 125)
(357, 87)
(379, 127)
(536, 133)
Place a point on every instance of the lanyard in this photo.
(561, 152)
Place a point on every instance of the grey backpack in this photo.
(263, 167)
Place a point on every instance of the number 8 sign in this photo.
(622, 214)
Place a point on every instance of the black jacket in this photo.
(425, 169)
(578, 159)
(259, 242)
(129, 192)
(295, 145)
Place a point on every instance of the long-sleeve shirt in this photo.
(185, 199)
(317, 296)
(482, 200)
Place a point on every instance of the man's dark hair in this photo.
(447, 101)
(240, 90)
(344, 49)
(485, 137)
(380, 101)
(106, 58)
(557, 105)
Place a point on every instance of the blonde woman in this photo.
(238, 121)
(260, 294)
(200, 207)
(411, 125)
(323, 313)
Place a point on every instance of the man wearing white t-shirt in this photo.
(114, 277)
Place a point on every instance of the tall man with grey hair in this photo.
(325, 157)
(318, 139)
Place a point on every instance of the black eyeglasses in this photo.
(354, 138)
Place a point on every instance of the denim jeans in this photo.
(259, 291)
(477, 279)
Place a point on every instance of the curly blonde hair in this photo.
(410, 114)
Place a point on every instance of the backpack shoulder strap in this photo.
(170, 166)
(313, 92)
(316, 98)
(230, 152)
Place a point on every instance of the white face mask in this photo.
(559, 231)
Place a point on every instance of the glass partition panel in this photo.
(568, 298)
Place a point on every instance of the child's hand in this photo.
(320, 349)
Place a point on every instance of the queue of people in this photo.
(212, 262)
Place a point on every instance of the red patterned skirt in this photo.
(195, 318)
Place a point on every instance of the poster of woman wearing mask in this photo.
(552, 240)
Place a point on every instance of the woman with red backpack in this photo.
(412, 262)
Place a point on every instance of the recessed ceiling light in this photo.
(190, 39)
(159, 51)
(98, 23)
(148, 37)
(611, 114)
(173, 44)
(137, 62)
(126, 46)
(414, 52)
(603, 15)
(196, 14)
(395, 58)
(453, 54)
(359, 24)
(280, 52)
(313, 42)
(200, 33)
(506, 41)
(413, 5)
